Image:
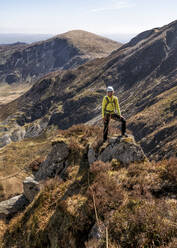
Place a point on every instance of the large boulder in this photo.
(123, 149)
(11, 206)
(55, 162)
(31, 188)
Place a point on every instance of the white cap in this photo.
(110, 88)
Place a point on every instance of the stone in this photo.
(5, 140)
(18, 134)
(91, 155)
(33, 130)
(125, 150)
(55, 162)
(96, 236)
(31, 188)
(97, 231)
(11, 206)
(44, 122)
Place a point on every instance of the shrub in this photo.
(105, 189)
(144, 224)
(170, 172)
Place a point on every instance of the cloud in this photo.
(115, 5)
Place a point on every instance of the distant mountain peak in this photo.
(63, 51)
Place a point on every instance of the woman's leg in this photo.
(106, 124)
(123, 122)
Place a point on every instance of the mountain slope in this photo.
(20, 63)
(143, 73)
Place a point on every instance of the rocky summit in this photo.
(87, 193)
(124, 150)
(25, 63)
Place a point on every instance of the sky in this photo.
(108, 17)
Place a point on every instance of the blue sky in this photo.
(101, 16)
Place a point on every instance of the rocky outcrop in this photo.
(55, 162)
(10, 131)
(18, 134)
(124, 150)
(18, 203)
(96, 235)
(31, 188)
(5, 140)
(10, 207)
(33, 130)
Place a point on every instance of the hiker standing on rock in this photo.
(110, 106)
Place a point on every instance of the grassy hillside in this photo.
(17, 161)
(8, 93)
(90, 43)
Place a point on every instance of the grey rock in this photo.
(55, 162)
(33, 130)
(5, 140)
(123, 151)
(31, 188)
(18, 134)
(96, 236)
(43, 123)
(91, 155)
(11, 206)
(97, 231)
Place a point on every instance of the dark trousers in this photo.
(114, 117)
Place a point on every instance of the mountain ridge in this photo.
(29, 62)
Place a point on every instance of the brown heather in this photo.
(136, 203)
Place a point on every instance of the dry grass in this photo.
(134, 218)
(158, 112)
(135, 203)
(90, 43)
(16, 160)
(8, 93)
